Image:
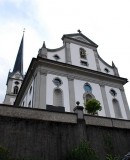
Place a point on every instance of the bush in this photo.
(92, 106)
(83, 152)
(4, 154)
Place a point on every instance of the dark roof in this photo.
(18, 66)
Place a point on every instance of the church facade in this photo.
(58, 78)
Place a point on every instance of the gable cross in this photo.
(79, 30)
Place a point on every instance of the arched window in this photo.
(88, 97)
(16, 89)
(87, 87)
(116, 107)
(57, 97)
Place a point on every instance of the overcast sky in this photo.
(106, 22)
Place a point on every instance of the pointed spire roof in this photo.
(18, 66)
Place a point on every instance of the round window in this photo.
(87, 88)
(57, 81)
(113, 92)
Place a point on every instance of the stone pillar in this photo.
(105, 101)
(125, 102)
(67, 52)
(71, 93)
(79, 110)
(96, 59)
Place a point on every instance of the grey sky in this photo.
(106, 22)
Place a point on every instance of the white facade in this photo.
(58, 76)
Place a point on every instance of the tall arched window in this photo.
(116, 107)
(16, 89)
(57, 97)
(88, 97)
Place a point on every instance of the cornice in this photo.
(81, 43)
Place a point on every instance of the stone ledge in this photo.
(107, 122)
(125, 124)
(38, 114)
(97, 121)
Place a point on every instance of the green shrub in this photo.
(4, 154)
(82, 152)
(92, 106)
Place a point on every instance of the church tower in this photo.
(15, 77)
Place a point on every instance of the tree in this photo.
(92, 106)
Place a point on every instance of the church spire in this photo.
(18, 66)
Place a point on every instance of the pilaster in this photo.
(105, 101)
(40, 89)
(43, 90)
(125, 102)
(96, 59)
(71, 93)
(67, 52)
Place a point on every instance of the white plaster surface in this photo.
(79, 91)
(64, 87)
(60, 53)
(75, 56)
(103, 66)
(119, 98)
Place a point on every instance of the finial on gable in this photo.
(115, 69)
(113, 65)
(23, 30)
(79, 31)
(44, 45)
(43, 51)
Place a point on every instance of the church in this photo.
(60, 77)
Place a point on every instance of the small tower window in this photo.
(16, 89)
(56, 57)
(30, 90)
(82, 53)
(113, 92)
(87, 87)
(106, 70)
(57, 82)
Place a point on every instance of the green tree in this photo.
(92, 106)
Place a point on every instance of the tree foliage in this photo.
(92, 106)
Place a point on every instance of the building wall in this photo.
(117, 97)
(64, 87)
(103, 66)
(79, 92)
(60, 53)
(75, 56)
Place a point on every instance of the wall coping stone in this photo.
(37, 114)
(107, 122)
(63, 117)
